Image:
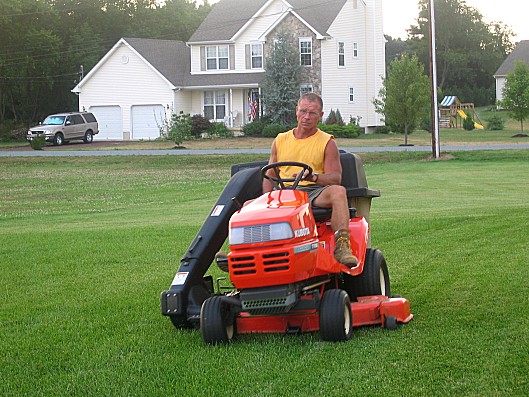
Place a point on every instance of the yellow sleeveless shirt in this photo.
(310, 151)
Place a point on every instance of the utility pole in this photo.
(433, 82)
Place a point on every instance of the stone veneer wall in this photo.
(309, 74)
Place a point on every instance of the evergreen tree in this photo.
(282, 80)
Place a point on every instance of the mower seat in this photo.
(324, 214)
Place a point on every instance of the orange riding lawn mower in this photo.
(283, 277)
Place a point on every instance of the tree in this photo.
(282, 79)
(469, 50)
(516, 93)
(405, 95)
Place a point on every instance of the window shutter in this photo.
(248, 57)
(202, 57)
(232, 57)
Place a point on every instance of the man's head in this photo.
(309, 112)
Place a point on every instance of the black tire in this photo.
(180, 322)
(217, 321)
(88, 137)
(374, 280)
(58, 139)
(336, 318)
(390, 322)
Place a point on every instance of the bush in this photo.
(220, 129)
(382, 129)
(495, 123)
(199, 125)
(38, 142)
(468, 123)
(272, 130)
(346, 131)
(179, 127)
(256, 127)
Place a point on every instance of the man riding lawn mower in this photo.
(281, 262)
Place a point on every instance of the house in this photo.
(520, 53)
(218, 72)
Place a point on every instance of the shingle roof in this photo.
(520, 53)
(228, 16)
(170, 57)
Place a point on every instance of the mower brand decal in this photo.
(180, 278)
(217, 210)
(302, 232)
(306, 248)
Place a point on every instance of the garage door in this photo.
(146, 121)
(110, 122)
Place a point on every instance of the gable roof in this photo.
(228, 17)
(520, 53)
(170, 59)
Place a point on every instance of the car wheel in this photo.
(58, 139)
(88, 137)
(336, 318)
(374, 280)
(217, 321)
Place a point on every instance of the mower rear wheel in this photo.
(374, 280)
(336, 318)
(217, 321)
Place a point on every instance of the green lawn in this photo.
(88, 244)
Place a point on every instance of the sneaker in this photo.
(342, 250)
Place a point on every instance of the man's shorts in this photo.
(313, 191)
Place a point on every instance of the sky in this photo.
(398, 15)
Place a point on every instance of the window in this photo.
(257, 56)
(351, 94)
(217, 57)
(303, 89)
(305, 51)
(355, 50)
(214, 105)
(341, 54)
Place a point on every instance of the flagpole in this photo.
(433, 82)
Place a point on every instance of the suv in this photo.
(63, 127)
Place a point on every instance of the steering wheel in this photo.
(279, 183)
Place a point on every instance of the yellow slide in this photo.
(463, 115)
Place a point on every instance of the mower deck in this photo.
(368, 310)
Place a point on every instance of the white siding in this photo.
(362, 25)
(125, 80)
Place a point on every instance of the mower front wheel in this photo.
(217, 321)
(336, 318)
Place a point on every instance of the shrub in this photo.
(382, 129)
(38, 142)
(179, 127)
(339, 119)
(331, 118)
(495, 123)
(468, 123)
(220, 129)
(272, 130)
(346, 131)
(255, 128)
(199, 125)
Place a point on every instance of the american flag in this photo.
(252, 105)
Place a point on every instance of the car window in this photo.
(77, 119)
(53, 120)
(89, 117)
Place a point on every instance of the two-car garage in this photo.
(145, 121)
